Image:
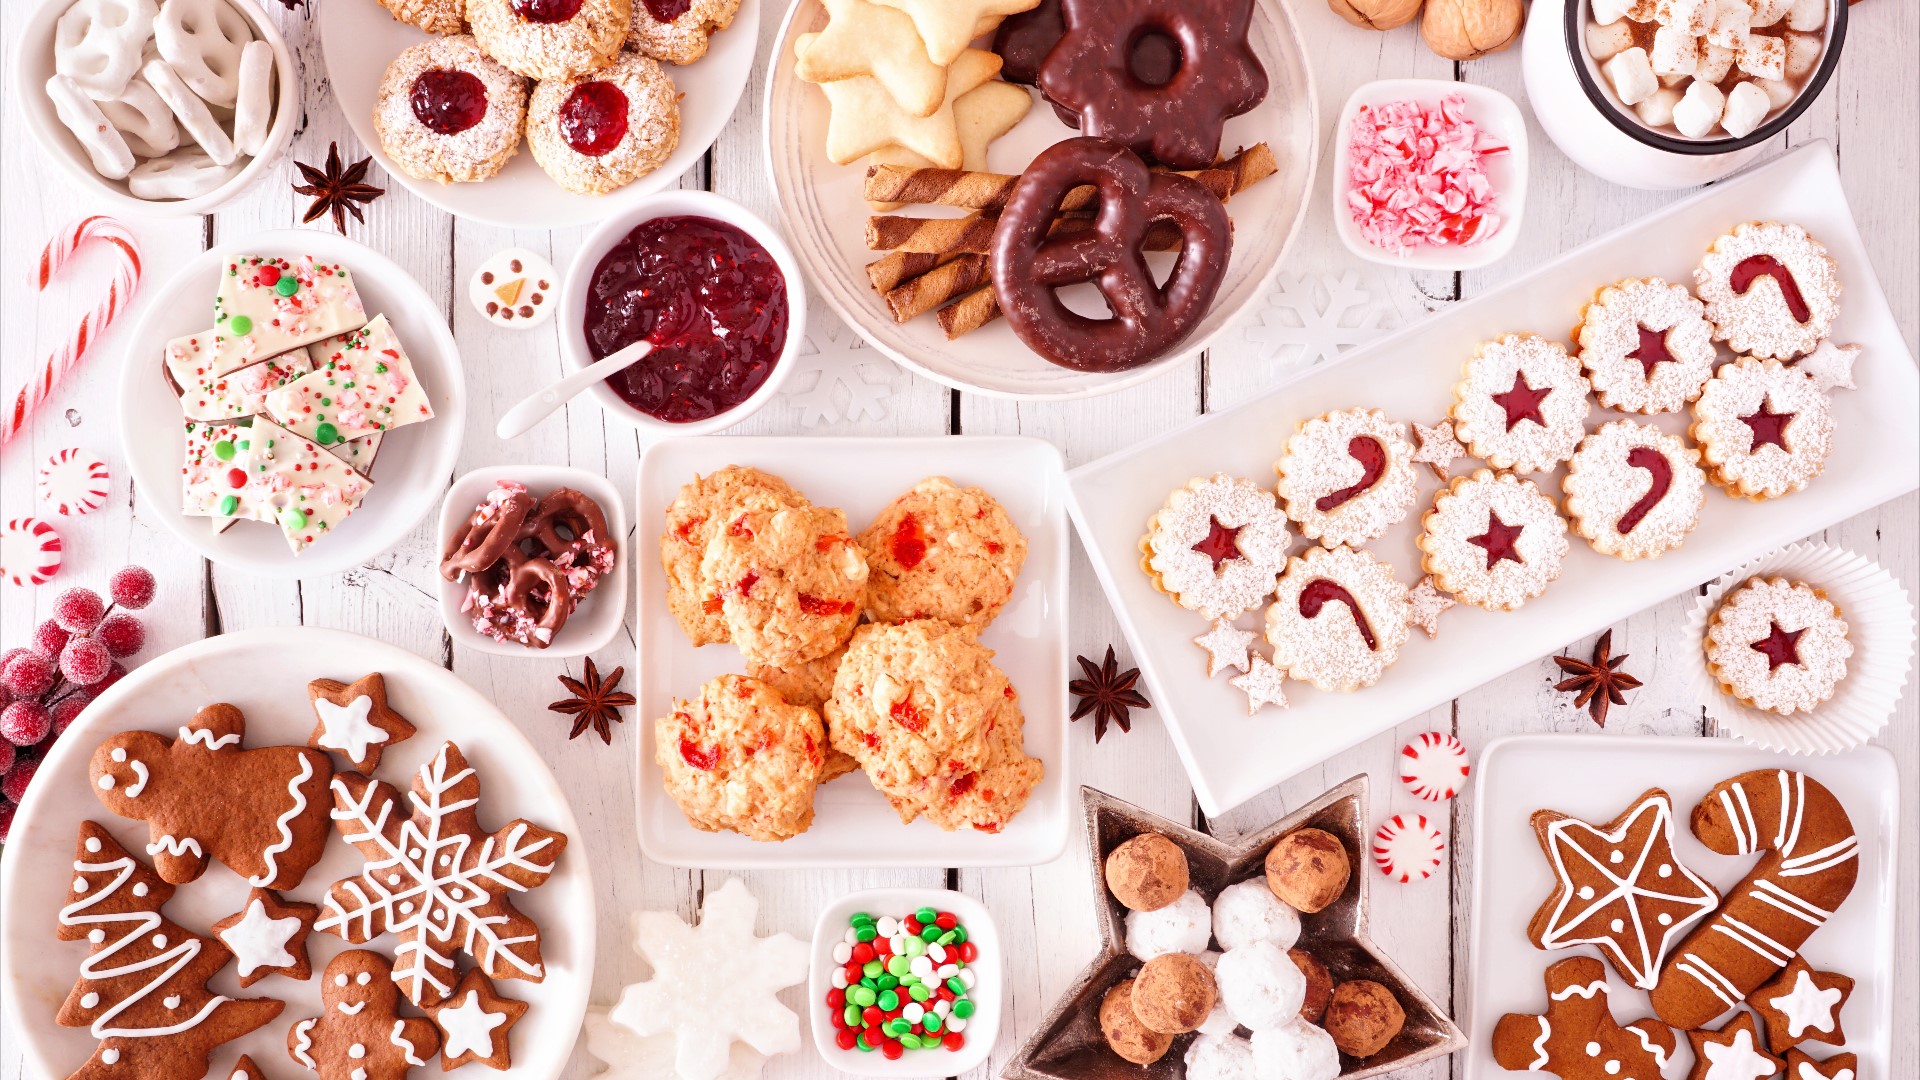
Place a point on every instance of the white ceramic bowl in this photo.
(982, 1029)
(593, 624)
(33, 66)
(577, 289)
(1491, 110)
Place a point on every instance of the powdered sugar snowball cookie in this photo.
(1220, 1056)
(1770, 290)
(676, 31)
(789, 582)
(1297, 1051)
(1645, 345)
(73, 482)
(1778, 645)
(942, 551)
(1434, 766)
(704, 506)
(600, 132)
(1408, 848)
(1248, 911)
(1493, 540)
(1764, 429)
(1261, 985)
(1634, 491)
(1338, 618)
(1185, 926)
(1347, 476)
(433, 16)
(426, 112)
(29, 551)
(551, 39)
(1217, 546)
(1522, 404)
(740, 759)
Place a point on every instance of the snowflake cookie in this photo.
(1777, 645)
(1493, 540)
(1646, 346)
(1338, 619)
(1770, 290)
(630, 1057)
(1347, 476)
(1521, 404)
(1764, 429)
(1633, 490)
(1217, 546)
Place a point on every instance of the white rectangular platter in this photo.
(853, 825)
(1594, 778)
(1411, 375)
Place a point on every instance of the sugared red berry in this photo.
(6, 756)
(115, 672)
(68, 709)
(25, 723)
(14, 787)
(79, 610)
(49, 638)
(131, 587)
(85, 661)
(28, 674)
(123, 635)
(6, 820)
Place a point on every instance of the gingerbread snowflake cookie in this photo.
(1646, 346)
(1763, 428)
(355, 721)
(1634, 491)
(447, 111)
(1777, 645)
(678, 31)
(360, 1034)
(1338, 618)
(1347, 476)
(1770, 290)
(599, 132)
(1522, 403)
(1218, 545)
(1493, 540)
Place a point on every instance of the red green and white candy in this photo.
(903, 983)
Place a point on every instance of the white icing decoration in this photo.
(259, 940)
(1704, 973)
(140, 889)
(1586, 991)
(89, 1000)
(93, 843)
(171, 1001)
(106, 781)
(1651, 1047)
(139, 780)
(109, 1056)
(282, 822)
(345, 728)
(357, 1051)
(1540, 1044)
(1807, 1006)
(340, 979)
(119, 753)
(302, 1033)
(99, 967)
(205, 738)
(1765, 947)
(399, 1039)
(468, 1027)
(175, 846)
(79, 884)
(1738, 1060)
(350, 1008)
(363, 978)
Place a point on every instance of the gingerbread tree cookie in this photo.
(262, 812)
(360, 1034)
(1577, 1037)
(475, 1021)
(268, 936)
(355, 721)
(1803, 1005)
(1734, 1052)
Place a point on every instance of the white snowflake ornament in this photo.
(713, 985)
(633, 1057)
(838, 378)
(1295, 326)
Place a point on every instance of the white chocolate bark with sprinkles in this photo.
(299, 485)
(1347, 476)
(360, 452)
(1778, 645)
(268, 305)
(1634, 491)
(1521, 404)
(1338, 619)
(1770, 290)
(214, 477)
(362, 382)
(1764, 429)
(1217, 546)
(1493, 540)
(1646, 346)
(238, 394)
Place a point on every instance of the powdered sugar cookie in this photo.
(1425, 604)
(1408, 848)
(1218, 545)
(1347, 476)
(1764, 429)
(599, 132)
(1645, 345)
(73, 482)
(1297, 1050)
(1434, 766)
(1493, 540)
(677, 31)
(1770, 290)
(1633, 490)
(1226, 645)
(1248, 911)
(1261, 985)
(1186, 925)
(1264, 685)
(1338, 618)
(1522, 404)
(447, 111)
(551, 39)
(1778, 645)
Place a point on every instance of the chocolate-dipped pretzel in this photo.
(528, 562)
(493, 528)
(569, 509)
(1029, 265)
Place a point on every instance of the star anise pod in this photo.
(1597, 684)
(594, 702)
(1107, 693)
(336, 189)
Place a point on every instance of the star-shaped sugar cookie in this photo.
(355, 721)
(862, 38)
(1227, 646)
(1734, 1052)
(1425, 603)
(1438, 447)
(1802, 1004)
(1831, 365)
(1263, 684)
(866, 118)
(980, 115)
(948, 25)
(268, 936)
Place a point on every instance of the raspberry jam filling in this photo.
(1657, 466)
(448, 102)
(1499, 541)
(1373, 461)
(1768, 427)
(545, 11)
(1320, 592)
(1780, 646)
(1522, 402)
(593, 119)
(909, 543)
(711, 300)
(1219, 544)
(1652, 350)
(1759, 266)
(667, 10)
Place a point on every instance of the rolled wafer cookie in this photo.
(922, 294)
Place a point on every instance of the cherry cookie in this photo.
(1522, 404)
(1493, 540)
(1764, 429)
(551, 39)
(1338, 619)
(598, 133)
(1347, 476)
(677, 31)
(1633, 490)
(1770, 289)
(1777, 645)
(1646, 346)
(448, 112)
(1218, 545)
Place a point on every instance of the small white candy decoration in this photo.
(1434, 766)
(73, 482)
(515, 288)
(1408, 848)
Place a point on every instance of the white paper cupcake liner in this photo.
(1880, 624)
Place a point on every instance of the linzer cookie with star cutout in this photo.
(1522, 403)
(1633, 490)
(362, 383)
(1778, 645)
(1347, 476)
(1338, 618)
(1218, 546)
(1770, 290)
(1763, 428)
(1493, 540)
(267, 305)
(1646, 346)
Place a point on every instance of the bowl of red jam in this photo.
(712, 286)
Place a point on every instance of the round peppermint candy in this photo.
(1434, 766)
(29, 551)
(1408, 848)
(74, 482)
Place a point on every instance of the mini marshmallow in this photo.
(187, 173)
(1675, 52)
(253, 108)
(1731, 22)
(1779, 91)
(1606, 42)
(1699, 110)
(1807, 15)
(1768, 12)
(1608, 12)
(105, 146)
(1261, 985)
(1221, 1057)
(97, 44)
(1747, 108)
(1691, 17)
(1763, 57)
(1657, 110)
(1632, 76)
(202, 40)
(1674, 82)
(1803, 54)
(1715, 62)
(1249, 912)
(143, 119)
(1186, 925)
(1299, 1051)
(201, 126)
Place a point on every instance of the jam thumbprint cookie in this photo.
(601, 132)
(676, 31)
(1522, 404)
(1763, 428)
(739, 758)
(1493, 540)
(1347, 476)
(1338, 619)
(1770, 289)
(1217, 546)
(448, 112)
(1634, 491)
(551, 39)
(433, 16)
(1646, 346)
(1778, 645)
(942, 551)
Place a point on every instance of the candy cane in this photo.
(59, 251)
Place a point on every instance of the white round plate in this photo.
(409, 474)
(252, 671)
(359, 39)
(823, 215)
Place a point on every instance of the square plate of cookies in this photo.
(852, 653)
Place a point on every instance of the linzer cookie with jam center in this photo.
(1493, 540)
(1646, 346)
(447, 111)
(942, 551)
(740, 758)
(599, 132)
(268, 305)
(362, 383)
(1338, 619)
(1218, 545)
(1522, 404)
(1764, 429)
(789, 582)
(1777, 645)
(1770, 290)
(1347, 476)
(1634, 491)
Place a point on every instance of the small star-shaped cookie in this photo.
(245, 1069)
(863, 38)
(946, 26)
(1227, 646)
(474, 1022)
(1734, 1052)
(866, 118)
(1438, 447)
(1263, 685)
(1802, 1005)
(1804, 1066)
(1424, 605)
(355, 721)
(1831, 365)
(268, 936)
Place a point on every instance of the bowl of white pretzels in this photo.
(158, 106)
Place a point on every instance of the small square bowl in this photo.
(982, 1029)
(594, 624)
(1491, 110)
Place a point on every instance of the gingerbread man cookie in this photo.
(1734, 1052)
(474, 1022)
(355, 720)
(262, 812)
(269, 937)
(1802, 1066)
(1577, 1038)
(1803, 1005)
(360, 1034)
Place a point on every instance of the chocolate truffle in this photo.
(1308, 869)
(1147, 872)
(1128, 1037)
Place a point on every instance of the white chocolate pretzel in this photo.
(192, 112)
(97, 43)
(104, 145)
(143, 119)
(202, 41)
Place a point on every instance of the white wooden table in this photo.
(1869, 113)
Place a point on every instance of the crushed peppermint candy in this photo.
(1417, 176)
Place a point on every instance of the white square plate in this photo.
(853, 825)
(1594, 778)
(1411, 375)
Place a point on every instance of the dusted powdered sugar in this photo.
(1758, 322)
(1610, 331)
(1317, 463)
(1749, 614)
(1188, 517)
(1462, 511)
(1329, 650)
(653, 126)
(473, 154)
(1480, 421)
(1425, 605)
(1726, 440)
(1602, 485)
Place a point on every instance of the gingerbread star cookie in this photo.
(1577, 1037)
(1802, 1005)
(1803, 1066)
(268, 936)
(245, 1069)
(360, 1034)
(1733, 1052)
(948, 25)
(866, 118)
(355, 720)
(474, 1022)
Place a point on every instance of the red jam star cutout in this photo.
(1768, 427)
(1652, 350)
(1221, 544)
(1780, 646)
(1522, 402)
(1498, 541)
